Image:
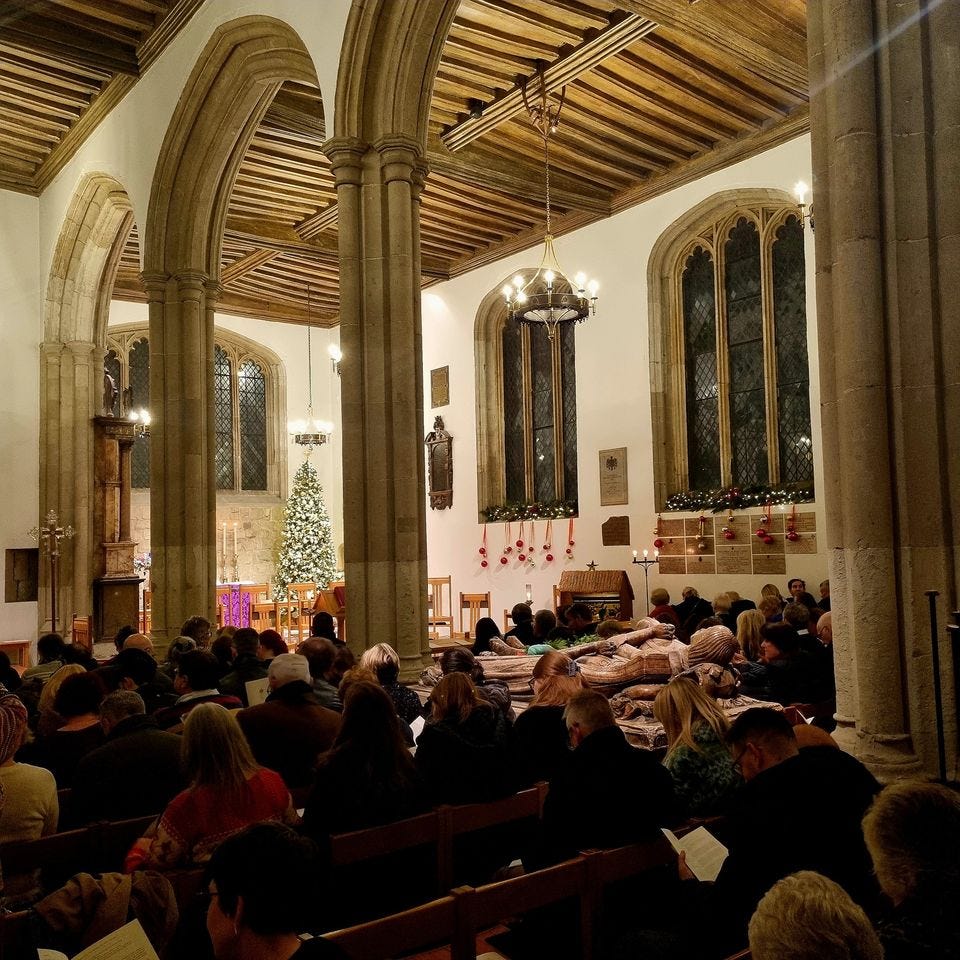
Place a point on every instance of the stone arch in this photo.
(76, 308)
(664, 357)
(222, 103)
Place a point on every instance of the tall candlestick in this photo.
(234, 539)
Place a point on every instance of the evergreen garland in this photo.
(307, 554)
(549, 510)
(733, 498)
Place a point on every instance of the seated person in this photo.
(51, 652)
(246, 920)
(783, 673)
(325, 673)
(135, 773)
(522, 633)
(228, 791)
(699, 762)
(798, 616)
(222, 648)
(199, 630)
(495, 692)
(580, 620)
(807, 917)
(600, 771)
(247, 665)
(323, 625)
(137, 671)
(196, 683)
(175, 651)
(662, 611)
(913, 835)
(271, 645)
(484, 631)
(29, 809)
(690, 611)
(461, 752)
(722, 610)
(47, 720)
(384, 661)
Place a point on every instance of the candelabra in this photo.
(236, 568)
(50, 535)
(647, 563)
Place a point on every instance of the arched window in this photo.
(247, 398)
(729, 348)
(527, 397)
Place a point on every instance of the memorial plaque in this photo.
(734, 559)
(616, 532)
(691, 526)
(668, 565)
(769, 564)
(674, 547)
(805, 522)
(613, 476)
(701, 565)
(671, 528)
(440, 387)
(806, 544)
(758, 546)
(692, 546)
(774, 526)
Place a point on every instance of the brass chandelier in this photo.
(548, 297)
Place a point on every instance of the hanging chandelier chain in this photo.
(309, 354)
(546, 165)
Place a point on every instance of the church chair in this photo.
(439, 607)
(262, 609)
(18, 651)
(476, 605)
(507, 622)
(296, 612)
(80, 633)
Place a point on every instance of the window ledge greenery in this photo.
(536, 510)
(734, 498)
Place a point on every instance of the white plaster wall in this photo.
(613, 387)
(21, 299)
(260, 516)
(127, 143)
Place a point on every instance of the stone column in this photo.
(884, 121)
(378, 188)
(71, 390)
(182, 485)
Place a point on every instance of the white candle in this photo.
(644, 554)
(656, 554)
(234, 539)
(634, 554)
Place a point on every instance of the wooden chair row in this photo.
(457, 919)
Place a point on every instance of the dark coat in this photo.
(173, 716)
(606, 794)
(290, 731)
(135, 773)
(246, 667)
(465, 762)
(523, 631)
(690, 612)
(537, 745)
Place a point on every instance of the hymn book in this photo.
(703, 851)
(127, 943)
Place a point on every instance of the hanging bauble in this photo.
(761, 533)
(569, 551)
(503, 561)
(522, 558)
(483, 551)
(519, 544)
(768, 539)
(549, 557)
(658, 543)
(793, 536)
(483, 563)
(508, 549)
(701, 545)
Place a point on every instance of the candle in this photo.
(644, 554)
(234, 539)
(634, 554)
(224, 539)
(656, 554)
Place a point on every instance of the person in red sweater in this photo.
(662, 610)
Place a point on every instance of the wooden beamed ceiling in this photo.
(658, 92)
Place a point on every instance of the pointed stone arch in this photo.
(76, 309)
(223, 101)
(388, 63)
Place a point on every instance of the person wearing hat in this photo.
(30, 809)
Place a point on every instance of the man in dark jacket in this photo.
(137, 670)
(195, 683)
(290, 730)
(603, 770)
(246, 665)
(522, 617)
(135, 773)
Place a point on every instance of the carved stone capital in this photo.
(192, 284)
(346, 159)
(400, 158)
(154, 283)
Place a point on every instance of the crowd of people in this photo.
(822, 862)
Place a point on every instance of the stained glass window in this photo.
(700, 353)
(140, 398)
(223, 419)
(252, 391)
(748, 430)
(793, 376)
(540, 414)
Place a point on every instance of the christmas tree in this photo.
(307, 554)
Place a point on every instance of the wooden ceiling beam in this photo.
(519, 179)
(126, 17)
(320, 221)
(607, 43)
(729, 36)
(40, 34)
(239, 268)
(534, 49)
(531, 17)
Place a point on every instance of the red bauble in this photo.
(549, 557)
(508, 549)
(522, 558)
(483, 563)
(768, 539)
(571, 542)
(546, 546)
(792, 535)
(519, 544)
(483, 551)
(658, 543)
(761, 533)
(503, 560)
(729, 535)
(569, 552)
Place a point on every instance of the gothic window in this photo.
(740, 393)
(245, 399)
(538, 397)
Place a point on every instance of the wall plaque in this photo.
(439, 445)
(616, 532)
(440, 387)
(613, 476)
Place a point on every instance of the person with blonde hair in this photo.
(384, 661)
(697, 757)
(49, 720)
(722, 604)
(461, 751)
(806, 916)
(228, 791)
(912, 832)
(538, 740)
(749, 625)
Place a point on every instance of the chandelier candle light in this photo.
(548, 297)
(310, 433)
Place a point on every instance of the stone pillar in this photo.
(884, 122)
(378, 189)
(182, 484)
(71, 391)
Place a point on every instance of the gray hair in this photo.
(121, 704)
(288, 667)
